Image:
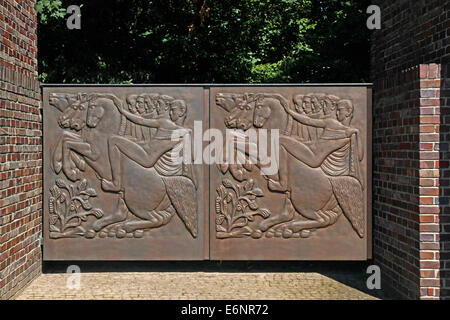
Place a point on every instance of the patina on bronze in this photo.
(112, 191)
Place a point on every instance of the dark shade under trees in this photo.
(198, 41)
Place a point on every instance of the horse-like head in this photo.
(95, 112)
(61, 100)
(253, 110)
(73, 109)
(227, 100)
(240, 109)
(261, 113)
(240, 117)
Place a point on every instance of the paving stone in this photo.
(196, 285)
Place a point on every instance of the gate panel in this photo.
(112, 190)
(110, 194)
(316, 205)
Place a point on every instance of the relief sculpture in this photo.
(319, 170)
(182, 172)
(69, 206)
(128, 144)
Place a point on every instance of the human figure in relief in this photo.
(131, 102)
(171, 115)
(151, 101)
(337, 135)
(301, 131)
(329, 106)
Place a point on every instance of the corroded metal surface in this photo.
(113, 192)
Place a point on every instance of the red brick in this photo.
(430, 209)
(426, 218)
(426, 255)
(19, 120)
(430, 83)
(427, 182)
(429, 119)
(426, 200)
(433, 71)
(429, 155)
(423, 71)
(429, 227)
(430, 102)
(429, 282)
(429, 191)
(427, 273)
(427, 164)
(430, 173)
(429, 93)
(427, 264)
(426, 146)
(429, 137)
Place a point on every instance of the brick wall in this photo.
(396, 180)
(409, 56)
(20, 147)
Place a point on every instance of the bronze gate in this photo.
(268, 172)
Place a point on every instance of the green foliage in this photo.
(192, 41)
(49, 9)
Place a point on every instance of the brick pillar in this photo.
(406, 194)
(429, 129)
(20, 148)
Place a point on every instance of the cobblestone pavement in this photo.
(200, 285)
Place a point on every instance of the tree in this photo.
(194, 41)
